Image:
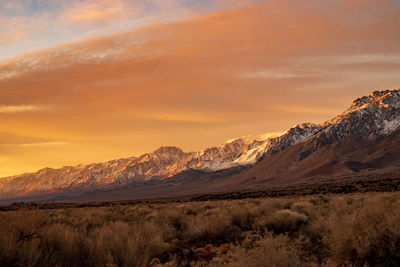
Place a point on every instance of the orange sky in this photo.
(207, 77)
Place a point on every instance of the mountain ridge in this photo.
(370, 117)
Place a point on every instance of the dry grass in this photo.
(335, 230)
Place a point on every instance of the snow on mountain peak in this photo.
(379, 97)
(229, 141)
(369, 116)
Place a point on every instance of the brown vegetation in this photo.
(328, 230)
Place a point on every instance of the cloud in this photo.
(296, 109)
(12, 4)
(87, 13)
(279, 74)
(11, 36)
(33, 145)
(11, 109)
(352, 59)
(269, 135)
(46, 23)
(15, 28)
(180, 83)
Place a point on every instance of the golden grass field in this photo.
(360, 229)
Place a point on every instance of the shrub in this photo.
(272, 250)
(287, 221)
(332, 230)
(368, 235)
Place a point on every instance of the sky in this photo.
(93, 80)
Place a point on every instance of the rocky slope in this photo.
(363, 139)
(369, 118)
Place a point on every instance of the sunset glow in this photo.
(88, 81)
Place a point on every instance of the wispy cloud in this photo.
(268, 135)
(33, 145)
(279, 74)
(92, 12)
(296, 109)
(29, 25)
(15, 28)
(11, 109)
(11, 36)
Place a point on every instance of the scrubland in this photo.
(320, 230)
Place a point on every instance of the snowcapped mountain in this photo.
(371, 117)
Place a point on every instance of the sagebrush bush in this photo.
(369, 234)
(331, 230)
(287, 221)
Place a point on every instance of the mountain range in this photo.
(363, 140)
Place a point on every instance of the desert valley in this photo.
(256, 133)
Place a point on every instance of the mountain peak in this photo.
(378, 94)
(163, 150)
(234, 140)
(374, 97)
(368, 117)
